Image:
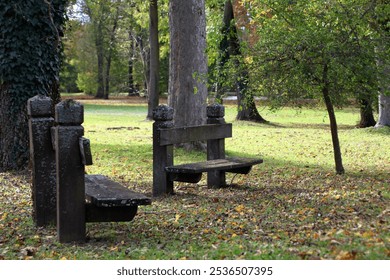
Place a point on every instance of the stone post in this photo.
(162, 155)
(216, 148)
(42, 160)
(69, 115)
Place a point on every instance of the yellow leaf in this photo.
(344, 255)
(240, 208)
(4, 216)
(177, 217)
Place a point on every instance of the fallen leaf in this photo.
(345, 255)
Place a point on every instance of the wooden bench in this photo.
(62, 193)
(166, 135)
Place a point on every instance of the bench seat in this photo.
(109, 201)
(192, 172)
(104, 192)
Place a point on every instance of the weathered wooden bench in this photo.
(166, 135)
(62, 193)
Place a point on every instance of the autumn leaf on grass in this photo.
(345, 255)
(240, 209)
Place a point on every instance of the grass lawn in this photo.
(293, 206)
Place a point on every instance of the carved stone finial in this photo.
(163, 113)
(215, 111)
(40, 106)
(69, 112)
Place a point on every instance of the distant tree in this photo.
(310, 47)
(153, 94)
(104, 16)
(30, 45)
(188, 63)
(247, 110)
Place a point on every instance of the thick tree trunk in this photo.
(246, 105)
(14, 152)
(228, 30)
(384, 87)
(384, 111)
(188, 64)
(247, 110)
(366, 113)
(29, 65)
(153, 96)
(333, 124)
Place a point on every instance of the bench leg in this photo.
(162, 157)
(216, 179)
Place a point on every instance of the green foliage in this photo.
(30, 46)
(299, 40)
(130, 43)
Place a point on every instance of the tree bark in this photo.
(247, 110)
(384, 111)
(13, 132)
(246, 105)
(366, 113)
(100, 61)
(109, 54)
(333, 123)
(153, 96)
(384, 87)
(131, 86)
(188, 63)
(37, 52)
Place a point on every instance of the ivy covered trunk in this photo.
(13, 132)
(230, 48)
(29, 55)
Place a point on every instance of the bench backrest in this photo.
(165, 135)
(179, 135)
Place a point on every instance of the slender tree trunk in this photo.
(153, 96)
(109, 54)
(145, 58)
(333, 123)
(131, 87)
(100, 61)
(188, 63)
(107, 77)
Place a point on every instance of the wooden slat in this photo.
(216, 164)
(178, 135)
(103, 192)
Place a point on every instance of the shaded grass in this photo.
(291, 207)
